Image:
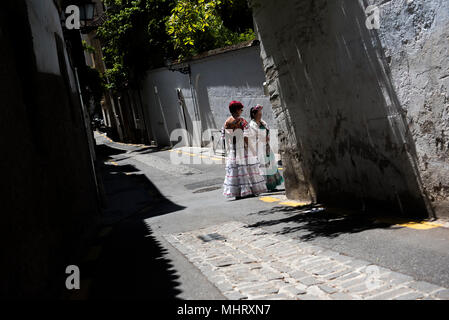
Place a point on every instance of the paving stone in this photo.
(304, 260)
(283, 268)
(290, 280)
(327, 270)
(223, 262)
(316, 291)
(423, 286)
(235, 268)
(280, 248)
(247, 248)
(293, 290)
(235, 295)
(307, 257)
(252, 286)
(310, 281)
(321, 266)
(242, 278)
(263, 291)
(299, 274)
(238, 273)
(267, 258)
(254, 266)
(300, 286)
(313, 249)
(224, 286)
(337, 274)
(345, 277)
(362, 287)
(327, 289)
(353, 282)
(314, 264)
(253, 263)
(209, 256)
(290, 256)
(272, 275)
(247, 260)
(252, 278)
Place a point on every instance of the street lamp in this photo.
(87, 11)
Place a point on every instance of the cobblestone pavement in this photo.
(249, 263)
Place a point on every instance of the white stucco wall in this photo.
(415, 38)
(362, 112)
(216, 80)
(45, 22)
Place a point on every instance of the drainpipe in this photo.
(195, 105)
(182, 104)
(144, 120)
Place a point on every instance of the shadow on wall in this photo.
(47, 209)
(236, 75)
(162, 108)
(205, 96)
(335, 82)
(185, 116)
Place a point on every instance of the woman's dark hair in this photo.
(253, 111)
(235, 106)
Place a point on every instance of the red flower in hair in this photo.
(235, 106)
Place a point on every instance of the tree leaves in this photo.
(134, 39)
(141, 34)
(196, 26)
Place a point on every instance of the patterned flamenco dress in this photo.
(268, 162)
(243, 174)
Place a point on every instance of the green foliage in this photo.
(196, 26)
(141, 34)
(88, 48)
(236, 15)
(134, 39)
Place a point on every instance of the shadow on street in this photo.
(315, 221)
(125, 261)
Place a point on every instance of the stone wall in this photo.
(362, 112)
(414, 36)
(49, 196)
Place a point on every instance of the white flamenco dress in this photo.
(243, 174)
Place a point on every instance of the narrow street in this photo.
(167, 232)
(141, 137)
